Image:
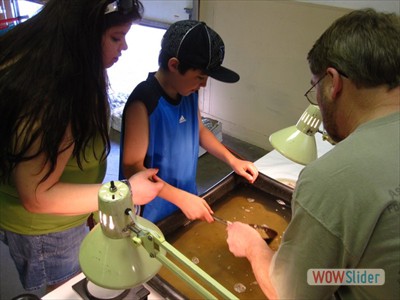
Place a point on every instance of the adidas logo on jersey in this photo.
(182, 119)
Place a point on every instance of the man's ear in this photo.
(336, 82)
(173, 64)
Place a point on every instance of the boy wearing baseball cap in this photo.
(162, 127)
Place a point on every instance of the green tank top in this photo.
(14, 217)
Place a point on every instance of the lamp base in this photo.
(137, 293)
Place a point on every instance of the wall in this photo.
(266, 42)
(379, 5)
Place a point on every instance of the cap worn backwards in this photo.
(199, 46)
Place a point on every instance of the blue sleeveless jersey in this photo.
(173, 141)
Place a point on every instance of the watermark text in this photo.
(345, 276)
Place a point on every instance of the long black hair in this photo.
(52, 76)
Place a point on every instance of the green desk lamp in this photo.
(126, 250)
(297, 143)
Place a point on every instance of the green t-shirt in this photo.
(346, 215)
(14, 217)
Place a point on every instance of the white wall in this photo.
(266, 43)
(379, 5)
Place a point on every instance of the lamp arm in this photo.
(326, 137)
(184, 276)
(152, 242)
(226, 294)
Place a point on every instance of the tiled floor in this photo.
(210, 171)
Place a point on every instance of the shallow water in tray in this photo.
(205, 244)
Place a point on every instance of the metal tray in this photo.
(267, 201)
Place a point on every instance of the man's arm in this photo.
(245, 241)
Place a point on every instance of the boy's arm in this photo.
(136, 142)
(210, 143)
(136, 138)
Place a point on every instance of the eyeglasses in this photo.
(311, 93)
(123, 6)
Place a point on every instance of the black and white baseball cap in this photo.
(199, 46)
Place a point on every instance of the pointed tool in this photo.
(268, 234)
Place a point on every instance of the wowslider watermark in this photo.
(345, 276)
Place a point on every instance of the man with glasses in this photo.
(345, 208)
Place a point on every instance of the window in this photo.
(28, 8)
(144, 44)
(141, 57)
(14, 12)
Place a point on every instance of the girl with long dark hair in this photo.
(54, 131)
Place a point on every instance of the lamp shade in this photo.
(121, 253)
(108, 255)
(294, 145)
(117, 263)
(297, 143)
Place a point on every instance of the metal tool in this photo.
(222, 221)
(268, 234)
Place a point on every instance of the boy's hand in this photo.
(195, 207)
(245, 169)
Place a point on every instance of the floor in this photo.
(210, 171)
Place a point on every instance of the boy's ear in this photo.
(173, 64)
